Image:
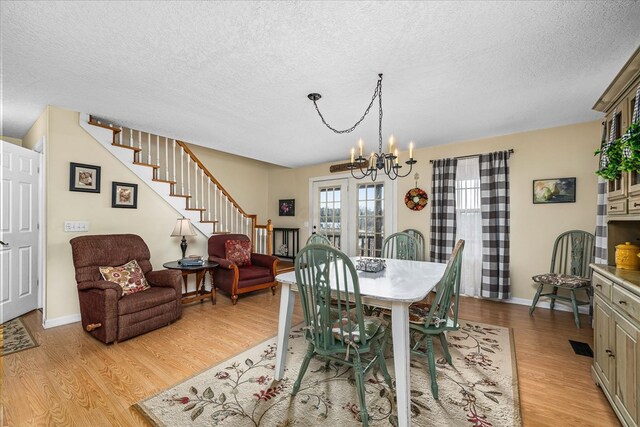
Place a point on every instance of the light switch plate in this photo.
(76, 226)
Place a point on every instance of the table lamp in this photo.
(183, 228)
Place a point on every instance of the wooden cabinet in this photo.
(616, 361)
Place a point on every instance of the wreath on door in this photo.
(416, 199)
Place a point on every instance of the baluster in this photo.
(202, 201)
(181, 170)
(148, 147)
(215, 203)
(166, 159)
(173, 147)
(209, 200)
(139, 139)
(195, 184)
(220, 217)
(188, 175)
(158, 153)
(226, 213)
(120, 138)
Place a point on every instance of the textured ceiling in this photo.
(234, 75)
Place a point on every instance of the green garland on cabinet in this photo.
(622, 154)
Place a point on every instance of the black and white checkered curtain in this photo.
(494, 194)
(601, 212)
(443, 209)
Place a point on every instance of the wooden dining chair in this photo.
(420, 239)
(318, 239)
(401, 246)
(572, 252)
(433, 318)
(340, 333)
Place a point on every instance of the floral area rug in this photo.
(15, 337)
(479, 390)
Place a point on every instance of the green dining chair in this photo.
(318, 239)
(428, 319)
(401, 246)
(572, 252)
(340, 333)
(420, 239)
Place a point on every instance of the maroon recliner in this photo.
(236, 280)
(106, 313)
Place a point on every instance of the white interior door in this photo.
(18, 231)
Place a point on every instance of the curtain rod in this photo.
(510, 150)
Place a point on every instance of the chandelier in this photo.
(380, 161)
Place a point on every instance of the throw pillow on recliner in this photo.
(238, 251)
(129, 276)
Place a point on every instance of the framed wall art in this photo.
(84, 178)
(554, 190)
(124, 195)
(287, 207)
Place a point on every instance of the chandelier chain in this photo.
(376, 93)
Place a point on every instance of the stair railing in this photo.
(173, 162)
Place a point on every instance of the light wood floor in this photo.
(72, 379)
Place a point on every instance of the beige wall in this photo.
(558, 152)
(549, 153)
(15, 141)
(153, 220)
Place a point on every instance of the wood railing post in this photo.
(269, 237)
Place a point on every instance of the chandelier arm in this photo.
(376, 93)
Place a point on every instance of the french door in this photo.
(355, 215)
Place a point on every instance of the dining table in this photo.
(401, 283)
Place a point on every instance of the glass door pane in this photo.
(371, 219)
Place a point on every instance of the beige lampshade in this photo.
(183, 228)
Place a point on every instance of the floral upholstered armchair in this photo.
(240, 271)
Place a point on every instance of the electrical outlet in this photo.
(76, 226)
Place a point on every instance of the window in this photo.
(469, 223)
(370, 219)
(330, 214)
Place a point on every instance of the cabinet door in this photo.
(633, 185)
(627, 352)
(603, 362)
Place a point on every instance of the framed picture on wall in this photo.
(124, 195)
(554, 190)
(287, 207)
(84, 178)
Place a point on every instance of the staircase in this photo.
(173, 171)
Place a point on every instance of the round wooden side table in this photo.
(200, 271)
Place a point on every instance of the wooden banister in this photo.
(236, 217)
(212, 178)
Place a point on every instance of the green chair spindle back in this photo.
(318, 239)
(446, 303)
(401, 246)
(420, 239)
(572, 253)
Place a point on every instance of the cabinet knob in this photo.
(607, 351)
(613, 208)
(598, 285)
(636, 204)
(623, 302)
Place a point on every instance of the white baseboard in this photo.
(560, 305)
(59, 321)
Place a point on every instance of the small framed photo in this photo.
(287, 207)
(554, 190)
(84, 178)
(124, 195)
